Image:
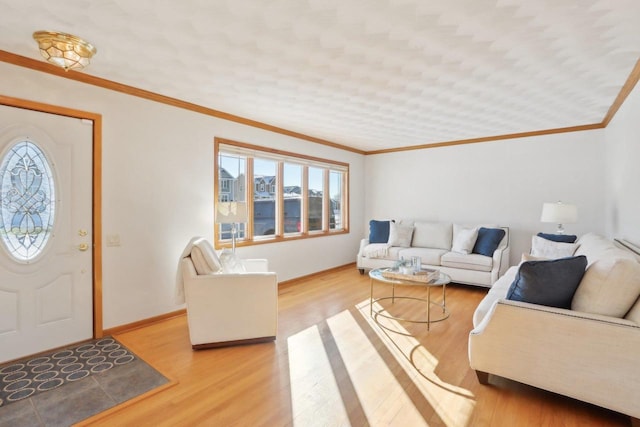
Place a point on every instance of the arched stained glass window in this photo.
(27, 200)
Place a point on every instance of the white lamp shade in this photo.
(231, 212)
(559, 213)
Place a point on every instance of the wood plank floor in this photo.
(332, 365)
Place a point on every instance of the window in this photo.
(294, 196)
(264, 206)
(292, 192)
(315, 195)
(232, 170)
(335, 200)
(27, 200)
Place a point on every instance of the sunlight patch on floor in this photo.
(315, 397)
(382, 397)
(368, 382)
(454, 405)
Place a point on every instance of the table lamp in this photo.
(559, 213)
(231, 213)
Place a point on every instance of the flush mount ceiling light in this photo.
(64, 50)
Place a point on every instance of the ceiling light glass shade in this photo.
(64, 50)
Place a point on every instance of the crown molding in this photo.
(628, 86)
(44, 67)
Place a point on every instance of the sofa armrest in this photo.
(363, 243)
(501, 257)
(552, 310)
(584, 356)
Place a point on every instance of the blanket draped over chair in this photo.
(179, 292)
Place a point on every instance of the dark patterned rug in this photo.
(25, 378)
(69, 385)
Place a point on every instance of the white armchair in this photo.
(226, 309)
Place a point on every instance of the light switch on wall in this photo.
(113, 240)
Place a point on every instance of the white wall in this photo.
(502, 182)
(158, 191)
(623, 171)
(158, 187)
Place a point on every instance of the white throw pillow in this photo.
(400, 235)
(541, 247)
(610, 287)
(464, 240)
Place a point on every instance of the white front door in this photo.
(46, 285)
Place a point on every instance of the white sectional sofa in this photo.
(438, 244)
(588, 351)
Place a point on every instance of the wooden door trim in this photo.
(97, 191)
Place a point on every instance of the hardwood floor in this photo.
(331, 365)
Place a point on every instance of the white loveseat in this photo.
(589, 352)
(433, 243)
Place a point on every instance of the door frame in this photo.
(97, 191)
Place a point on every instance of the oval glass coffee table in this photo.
(441, 280)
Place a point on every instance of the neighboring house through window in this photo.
(295, 196)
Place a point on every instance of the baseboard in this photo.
(144, 322)
(232, 343)
(317, 273)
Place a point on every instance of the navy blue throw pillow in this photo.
(562, 238)
(488, 241)
(551, 283)
(378, 231)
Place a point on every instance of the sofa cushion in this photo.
(204, 264)
(204, 257)
(563, 238)
(378, 231)
(437, 235)
(610, 287)
(400, 235)
(475, 262)
(594, 247)
(376, 250)
(488, 240)
(199, 263)
(551, 283)
(634, 313)
(394, 253)
(428, 256)
(552, 250)
(464, 239)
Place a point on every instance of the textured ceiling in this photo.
(369, 74)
